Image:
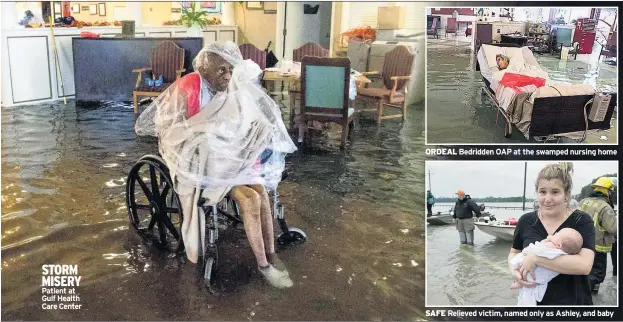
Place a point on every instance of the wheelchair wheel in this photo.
(293, 236)
(152, 202)
(209, 271)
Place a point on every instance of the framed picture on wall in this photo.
(75, 8)
(208, 4)
(101, 8)
(85, 8)
(186, 4)
(213, 7)
(256, 5)
(93, 9)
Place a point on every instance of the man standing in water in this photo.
(463, 217)
(598, 206)
(430, 201)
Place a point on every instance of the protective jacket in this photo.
(598, 207)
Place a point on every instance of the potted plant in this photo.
(195, 20)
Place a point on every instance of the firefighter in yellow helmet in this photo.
(598, 206)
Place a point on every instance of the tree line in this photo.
(486, 199)
(587, 189)
(585, 192)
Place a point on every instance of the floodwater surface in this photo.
(63, 202)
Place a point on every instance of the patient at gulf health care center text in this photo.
(565, 242)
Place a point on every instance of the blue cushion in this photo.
(324, 86)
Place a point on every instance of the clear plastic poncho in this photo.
(213, 141)
(236, 138)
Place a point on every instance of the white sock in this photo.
(275, 277)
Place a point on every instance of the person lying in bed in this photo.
(502, 61)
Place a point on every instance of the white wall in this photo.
(361, 14)
(302, 28)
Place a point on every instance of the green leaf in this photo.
(191, 16)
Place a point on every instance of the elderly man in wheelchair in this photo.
(222, 144)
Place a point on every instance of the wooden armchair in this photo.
(255, 54)
(396, 73)
(609, 49)
(432, 31)
(309, 49)
(451, 27)
(258, 56)
(167, 59)
(325, 84)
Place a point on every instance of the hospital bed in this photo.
(550, 112)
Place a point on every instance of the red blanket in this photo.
(191, 84)
(517, 80)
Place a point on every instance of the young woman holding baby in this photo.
(571, 287)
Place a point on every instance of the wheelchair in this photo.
(162, 210)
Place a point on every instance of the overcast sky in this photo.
(503, 178)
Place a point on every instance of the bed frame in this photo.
(553, 116)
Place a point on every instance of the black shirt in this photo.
(465, 208)
(562, 289)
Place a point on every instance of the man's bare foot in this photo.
(515, 285)
(275, 277)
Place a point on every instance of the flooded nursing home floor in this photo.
(478, 276)
(63, 202)
(458, 111)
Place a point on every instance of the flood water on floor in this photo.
(478, 276)
(459, 112)
(63, 202)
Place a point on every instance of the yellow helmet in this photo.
(603, 182)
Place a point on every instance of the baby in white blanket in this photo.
(565, 242)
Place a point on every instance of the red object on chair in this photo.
(468, 31)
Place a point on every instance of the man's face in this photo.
(217, 73)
